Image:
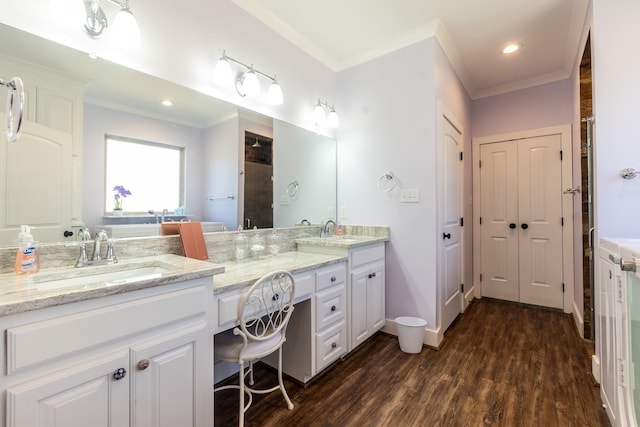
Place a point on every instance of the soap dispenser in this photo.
(274, 243)
(27, 260)
(241, 244)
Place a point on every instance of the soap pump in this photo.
(241, 244)
(27, 260)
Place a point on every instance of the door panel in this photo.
(499, 209)
(451, 212)
(540, 207)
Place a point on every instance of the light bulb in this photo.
(126, 32)
(250, 83)
(274, 94)
(222, 73)
(332, 119)
(319, 115)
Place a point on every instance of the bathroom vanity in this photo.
(82, 351)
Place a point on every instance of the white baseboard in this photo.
(431, 338)
(578, 319)
(468, 297)
(595, 367)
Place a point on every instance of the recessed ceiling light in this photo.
(167, 102)
(512, 48)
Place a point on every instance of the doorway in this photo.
(524, 249)
(258, 181)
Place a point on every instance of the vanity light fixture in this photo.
(247, 82)
(125, 30)
(322, 118)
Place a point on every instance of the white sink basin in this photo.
(91, 276)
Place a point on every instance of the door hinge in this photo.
(461, 222)
(563, 288)
(461, 156)
(560, 155)
(481, 277)
(462, 287)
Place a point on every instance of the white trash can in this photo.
(410, 333)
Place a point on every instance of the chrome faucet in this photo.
(326, 231)
(83, 234)
(96, 257)
(165, 211)
(152, 212)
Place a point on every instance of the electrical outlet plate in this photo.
(410, 195)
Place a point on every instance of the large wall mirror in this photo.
(118, 101)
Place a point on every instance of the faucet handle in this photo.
(82, 255)
(111, 256)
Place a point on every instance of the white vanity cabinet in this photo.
(365, 285)
(367, 292)
(141, 358)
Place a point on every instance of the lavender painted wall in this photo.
(532, 108)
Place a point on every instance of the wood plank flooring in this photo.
(501, 364)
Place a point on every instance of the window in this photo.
(152, 172)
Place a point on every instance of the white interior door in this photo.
(521, 214)
(499, 216)
(450, 214)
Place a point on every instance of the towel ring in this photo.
(15, 107)
(387, 182)
(292, 189)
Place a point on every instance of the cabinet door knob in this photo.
(524, 226)
(373, 274)
(333, 308)
(334, 345)
(333, 278)
(275, 297)
(119, 374)
(143, 364)
(512, 226)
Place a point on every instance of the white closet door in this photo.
(540, 212)
(499, 213)
(521, 211)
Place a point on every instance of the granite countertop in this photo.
(20, 293)
(347, 241)
(239, 274)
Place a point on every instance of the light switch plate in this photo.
(410, 195)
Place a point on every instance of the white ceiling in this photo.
(344, 33)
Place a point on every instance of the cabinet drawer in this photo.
(39, 342)
(331, 276)
(331, 306)
(330, 345)
(229, 304)
(367, 255)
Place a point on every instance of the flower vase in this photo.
(117, 212)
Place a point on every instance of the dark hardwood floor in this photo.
(500, 364)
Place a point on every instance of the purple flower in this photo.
(120, 191)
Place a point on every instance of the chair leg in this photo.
(241, 413)
(284, 392)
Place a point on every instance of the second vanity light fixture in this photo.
(247, 82)
(125, 30)
(322, 118)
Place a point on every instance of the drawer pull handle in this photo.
(334, 345)
(119, 374)
(333, 308)
(333, 278)
(371, 275)
(143, 364)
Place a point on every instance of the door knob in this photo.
(512, 226)
(524, 226)
(446, 236)
(119, 374)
